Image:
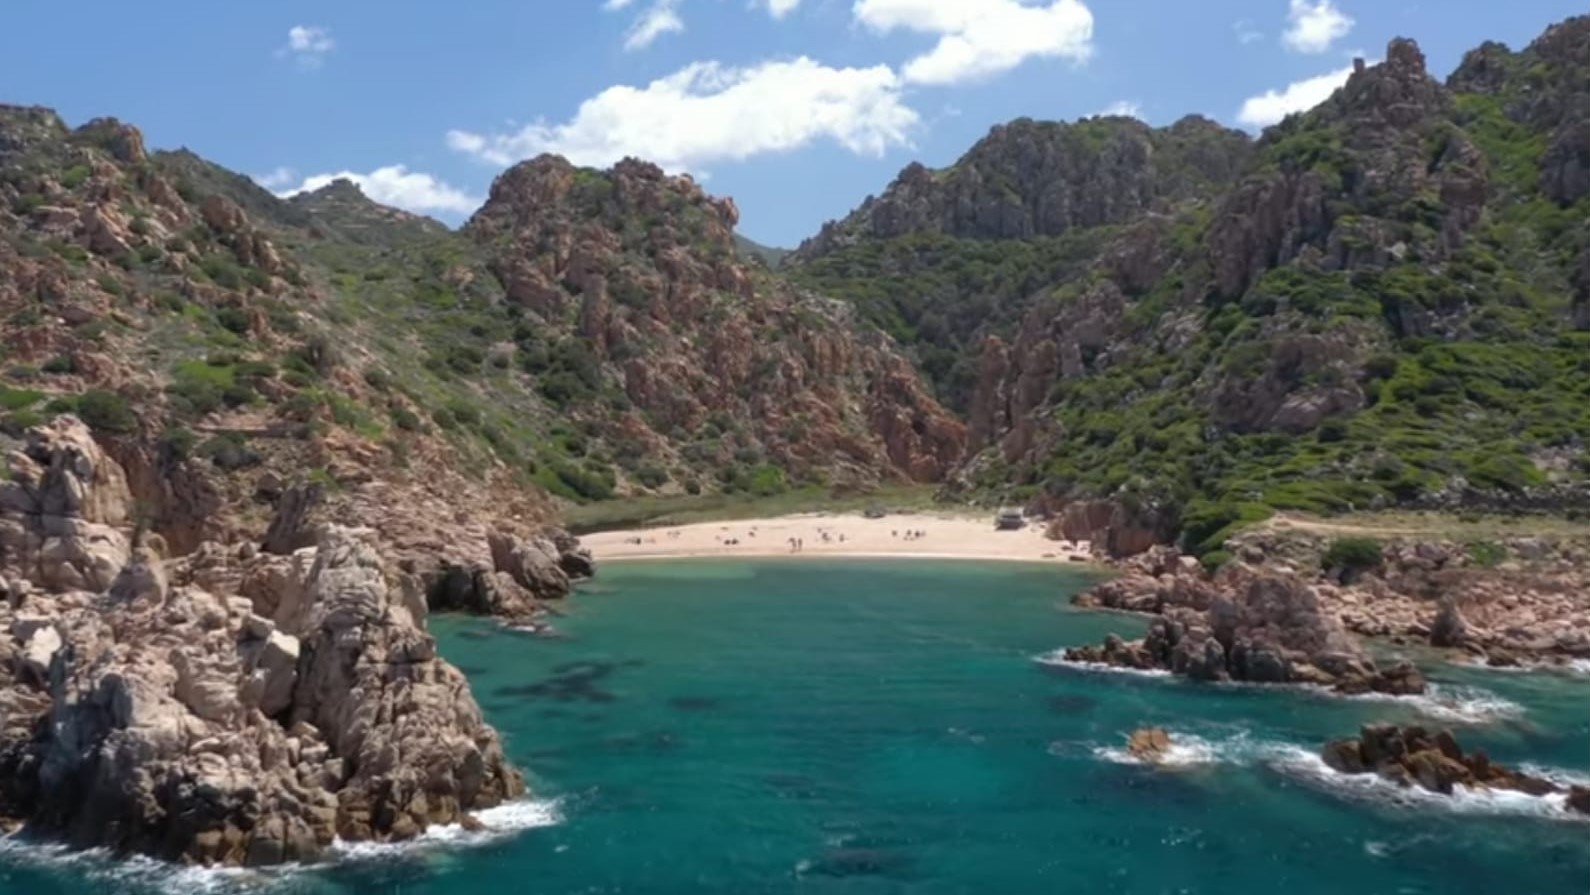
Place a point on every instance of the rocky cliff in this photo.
(1379, 303)
(226, 707)
(631, 289)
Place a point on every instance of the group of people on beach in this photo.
(915, 534)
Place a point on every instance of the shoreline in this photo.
(934, 536)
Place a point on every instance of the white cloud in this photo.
(1313, 27)
(781, 8)
(276, 179)
(393, 185)
(611, 5)
(1124, 108)
(662, 17)
(1246, 32)
(707, 113)
(981, 38)
(308, 44)
(1273, 105)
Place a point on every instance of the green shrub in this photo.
(652, 475)
(107, 412)
(18, 398)
(405, 419)
(230, 452)
(1487, 554)
(73, 177)
(59, 365)
(178, 443)
(1353, 555)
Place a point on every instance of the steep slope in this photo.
(588, 335)
(944, 258)
(647, 331)
(1384, 305)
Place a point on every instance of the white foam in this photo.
(1186, 750)
(101, 868)
(1578, 666)
(1450, 703)
(1058, 660)
(1310, 768)
(496, 823)
(1191, 750)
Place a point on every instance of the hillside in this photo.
(1381, 302)
(588, 334)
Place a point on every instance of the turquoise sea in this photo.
(872, 726)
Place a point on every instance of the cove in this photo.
(883, 726)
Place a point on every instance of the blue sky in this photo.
(796, 108)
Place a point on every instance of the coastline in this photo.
(937, 536)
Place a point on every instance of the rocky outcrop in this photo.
(1148, 744)
(227, 707)
(1515, 600)
(1247, 625)
(666, 316)
(62, 510)
(1413, 756)
(1034, 178)
(1113, 528)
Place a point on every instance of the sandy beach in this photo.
(849, 534)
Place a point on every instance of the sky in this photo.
(798, 109)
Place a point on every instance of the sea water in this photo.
(870, 726)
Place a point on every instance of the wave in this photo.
(1453, 704)
(1447, 702)
(1057, 659)
(1186, 750)
(1308, 767)
(101, 868)
(496, 823)
(1190, 750)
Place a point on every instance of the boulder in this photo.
(1148, 744)
(1450, 629)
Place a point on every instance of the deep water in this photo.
(882, 726)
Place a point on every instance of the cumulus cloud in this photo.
(393, 185)
(782, 8)
(707, 113)
(1313, 27)
(981, 38)
(308, 44)
(1273, 105)
(1124, 108)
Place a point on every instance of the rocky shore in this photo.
(1512, 602)
(236, 705)
(1244, 624)
(1413, 756)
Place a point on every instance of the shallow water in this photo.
(877, 727)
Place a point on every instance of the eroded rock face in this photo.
(60, 511)
(1244, 625)
(691, 338)
(143, 711)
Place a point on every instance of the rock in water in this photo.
(1449, 629)
(1257, 626)
(1149, 744)
(152, 716)
(1412, 756)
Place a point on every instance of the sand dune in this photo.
(912, 534)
